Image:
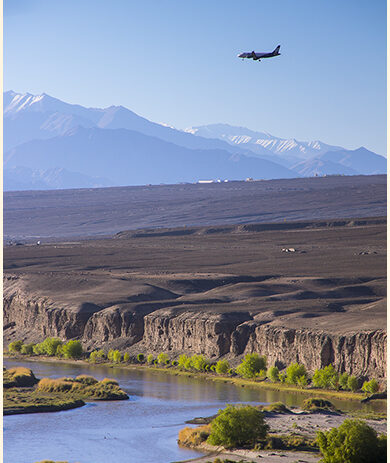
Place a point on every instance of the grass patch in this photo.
(318, 405)
(54, 394)
(18, 377)
(292, 441)
(276, 407)
(193, 437)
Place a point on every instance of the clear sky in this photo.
(174, 61)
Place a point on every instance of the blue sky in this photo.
(174, 61)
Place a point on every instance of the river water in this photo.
(143, 429)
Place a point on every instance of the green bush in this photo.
(261, 374)
(371, 387)
(237, 426)
(116, 356)
(110, 355)
(140, 358)
(27, 349)
(273, 374)
(150, 358)
(352, 384)
(295, 371)
(326, 378)
(37, 349)
(182, 361)
(59, 351)
(72, 349)
(15, 346)
(343, 381)
(302, 381)
(93, 356)
(251, 365)
(315, 404)
(162, 358)
(175, 363)
(213, 368)
(282, 377)
(49, 346)
(352, 442)
(222, 367)
(199, 362)
(126, 357)
(188, 364)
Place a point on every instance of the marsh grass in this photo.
(193, 437)
(54, 394)
(18, 377)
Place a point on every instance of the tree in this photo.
(93, 356)
(326, 378)
(140, 358)
(150, 358)
(126, 357)
(72, 349)
(162, 358)
(27, 349)
(352, 384)
(371, 387)
(116, 356)
(237, 426)
(352, 442)
(37, 349)
(222, 367)
(15, 346)
(273, 374)
(295, 371)
(251, 365)
(199, 362)
(182, 361)
(49, 346)
(343, 381)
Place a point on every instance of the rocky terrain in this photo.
(308, 291)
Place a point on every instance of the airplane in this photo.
(258, 56)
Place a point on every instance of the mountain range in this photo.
(50, 144)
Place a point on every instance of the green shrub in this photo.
(261, 374)
(273, 374)
(352, 442)
(72, 349)
(162, 358)
(371, 387)
(282, 377)
(101, 354)
(175, 363)
(93, 356)
(199, 362)
(59, 351)
(343, 381)
(302, 381)
(140, 358)
(231, 372)
(182, 361)
(352, 384)
(326, 378)
(188, 364)
(86, 379)
(116, 356)
(15, 346)
(295, 371)
(49, 346)
(222, 367)
(126, 357)
(213, 368)
(237, 426)
(37, 349)
(251, 365)
(150, 358)
(110, 355)
(27, 349)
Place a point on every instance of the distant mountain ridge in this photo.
(52, 144)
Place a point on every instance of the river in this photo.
(143, 429)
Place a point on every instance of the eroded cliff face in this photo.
(214, 335)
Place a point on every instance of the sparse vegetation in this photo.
(318, 405)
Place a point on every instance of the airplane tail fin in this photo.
(276, 51)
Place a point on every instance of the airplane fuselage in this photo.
(257, 56)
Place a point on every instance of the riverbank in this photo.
(278, 387)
